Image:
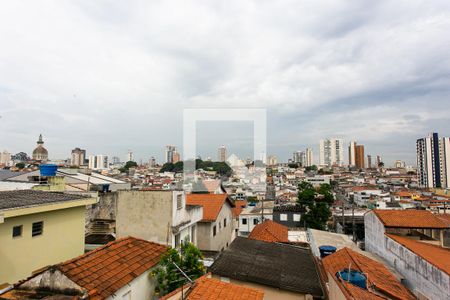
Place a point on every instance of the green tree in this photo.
(167, 275)
(315, 213)
(20, 165)
(128, 165)
(167, 167)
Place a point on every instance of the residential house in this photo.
(216, 228)
(210, 288)
(39, 229)
(270, 231)
(282, 271)
(163, 217)
(415, 243)
(118, 270)
(287, 215)
(375, 281)
(252, 216)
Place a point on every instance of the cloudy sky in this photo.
(109, 76)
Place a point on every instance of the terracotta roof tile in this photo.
(214, 289)
(212, 204)
(435, 255)
(112, 266)
(409, 218)
(269, 231)
(378, 275)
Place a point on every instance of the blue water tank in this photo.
(354, 277)
(326, 250)
(48, 170)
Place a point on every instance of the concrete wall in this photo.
(62, 239)
(423, 278)
(145, 214)
(334, 291)
(224, 235)
(142, 287)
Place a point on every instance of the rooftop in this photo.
(281, 266)
(240, 204)
(104, 270)
(212, 289)
(26, 198)
(212, 204)
(270, 231)
(435, 255)
(379, 277)
(410, 219)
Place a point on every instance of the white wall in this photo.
(142, 288)
(421, 277)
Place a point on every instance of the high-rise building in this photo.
(5, 158)
(378, 161)
(444, 154)
(176, 156)
(297, 157)
(369, 161)
(222, 153)
(272, 160)
(168, 158)
(433, 161)
(352, 154)
(77, 157)
(359, 157)
(331, 152)
(98, 162)
(309, 158)
(152, 162)
(129, 156)
(399, 164)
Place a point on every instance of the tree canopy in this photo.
(128, 165)
(167, 275)
(220, 167)
(315, 212)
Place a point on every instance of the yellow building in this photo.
(38, 229)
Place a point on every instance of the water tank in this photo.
(354, 277)
(48, 170)
(326, 250)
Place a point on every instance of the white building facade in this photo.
(331, 152)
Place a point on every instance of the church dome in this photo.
(40, 153)
(40, 150)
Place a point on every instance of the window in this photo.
(37, 228)
(224, 222)
(177, 240)
(214, 230)
(255, 221)
(17, 231)
(179, 201)
(193, 232)
(244, 221)
(283, 217)
(296, 217)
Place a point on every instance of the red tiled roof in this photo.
(435, 255)
(212, 204)
(269, 231)
(412, 218)
(378, 276)
(214, 289)
(106, 269)
(240, 204)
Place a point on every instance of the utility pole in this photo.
(343, 215)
